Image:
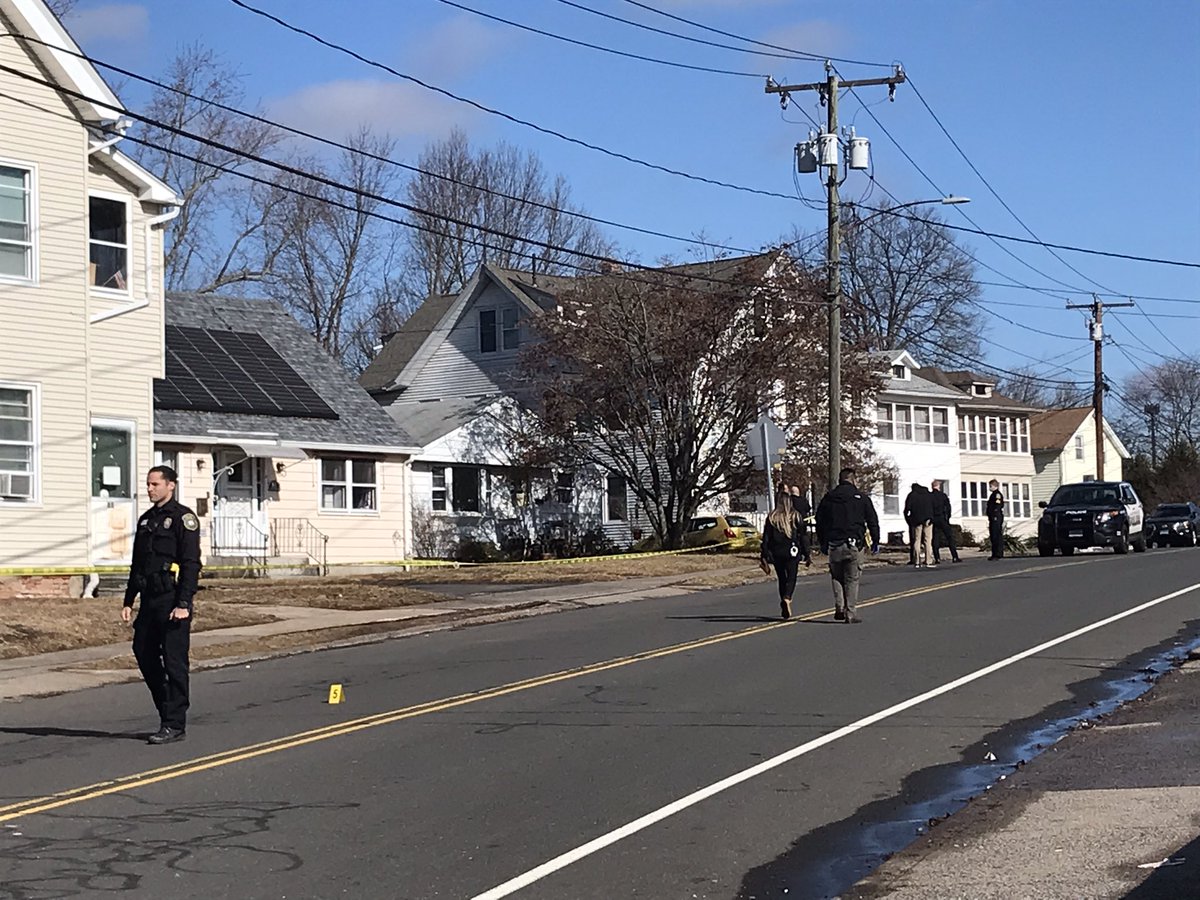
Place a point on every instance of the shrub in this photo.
(966, 538)
(470, 551)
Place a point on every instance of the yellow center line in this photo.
(94, 791)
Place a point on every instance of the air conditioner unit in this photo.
(16, 486)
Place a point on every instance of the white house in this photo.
(1064, 450)
(916, 433)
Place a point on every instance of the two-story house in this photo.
(994, 443)
(1064, 450)
(81, 305)
(916, 435)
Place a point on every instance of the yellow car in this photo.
(708, 531)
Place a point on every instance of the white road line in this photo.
(584, 850)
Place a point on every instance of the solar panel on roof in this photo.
(227, 371)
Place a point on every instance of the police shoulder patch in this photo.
(190, 522)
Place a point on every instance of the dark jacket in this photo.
(995, 506)
(800, 504)
(942, 510)
(777, 546)
(918, 505)
(846, 514)
(167, 536)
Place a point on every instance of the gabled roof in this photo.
(1052, 430)
(360, 422)
(962, 380)
(403, 356)
(58, 54)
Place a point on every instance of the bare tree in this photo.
(507, 190)
(61, 8)
(220, 240)
(335, 251)
(656, 377)
(1174, 385)
(909, 286)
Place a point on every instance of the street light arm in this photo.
(892, 210)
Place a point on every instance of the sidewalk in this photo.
(55, 673)
(1112, 811)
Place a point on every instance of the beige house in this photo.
(81, 304)
(286, 460)
(1064, 450)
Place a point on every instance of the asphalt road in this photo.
(674, 748)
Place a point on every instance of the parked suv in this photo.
(1174, 523)
(1092, 514)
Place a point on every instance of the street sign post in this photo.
(764, 441)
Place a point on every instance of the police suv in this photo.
(1092, 514)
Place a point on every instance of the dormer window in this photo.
(900, 371)
(499, 329)
(979, 389)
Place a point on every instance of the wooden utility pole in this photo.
(1096, 327)
(829, 94)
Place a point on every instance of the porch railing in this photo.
(240, 536)
(296, 535)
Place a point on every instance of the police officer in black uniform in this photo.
(165, 571)
(844, 517)
(995, 517)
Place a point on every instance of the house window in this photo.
(438, 496)
(1018, 503)
(487, 331)
(994, 434)
(616, 504)
(18, 447)
(464, 489)
(921, 432)
(511, 329)
(941, 425)
(564, 488)
(891, 495)
(904, 429)
(108, 243)
(349, 485)
(883, 424)
(170, 459)
(899, 372)
(1079, 446)
(16, 223)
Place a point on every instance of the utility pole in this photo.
(829, 94)
(1152, 410)
(1096, 328)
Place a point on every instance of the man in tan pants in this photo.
(918, 513)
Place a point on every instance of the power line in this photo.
(737, 37)
(262, 120)
(317, 178)
(602, 49)
(500, 113)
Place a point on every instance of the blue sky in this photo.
(1084, 115)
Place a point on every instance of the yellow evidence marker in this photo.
(335, 693)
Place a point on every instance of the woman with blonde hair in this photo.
(781, 548)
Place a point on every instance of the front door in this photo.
(239, 516)
(114, 491)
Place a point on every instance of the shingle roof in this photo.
(405, 343)
(915, 384)
(429, 420)
(360, 419)
(1052, 429)
(956, 380)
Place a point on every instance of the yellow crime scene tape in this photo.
(391, 563)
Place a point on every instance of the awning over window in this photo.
(269, 450)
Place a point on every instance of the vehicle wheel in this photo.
(1044, 550)
(1067, 551)
(1121, 544)
(1139, 543)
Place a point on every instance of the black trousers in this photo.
(942, 529)
(996, 534)
(786, 568)
(161, 648)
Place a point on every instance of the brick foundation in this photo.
(33, 587)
